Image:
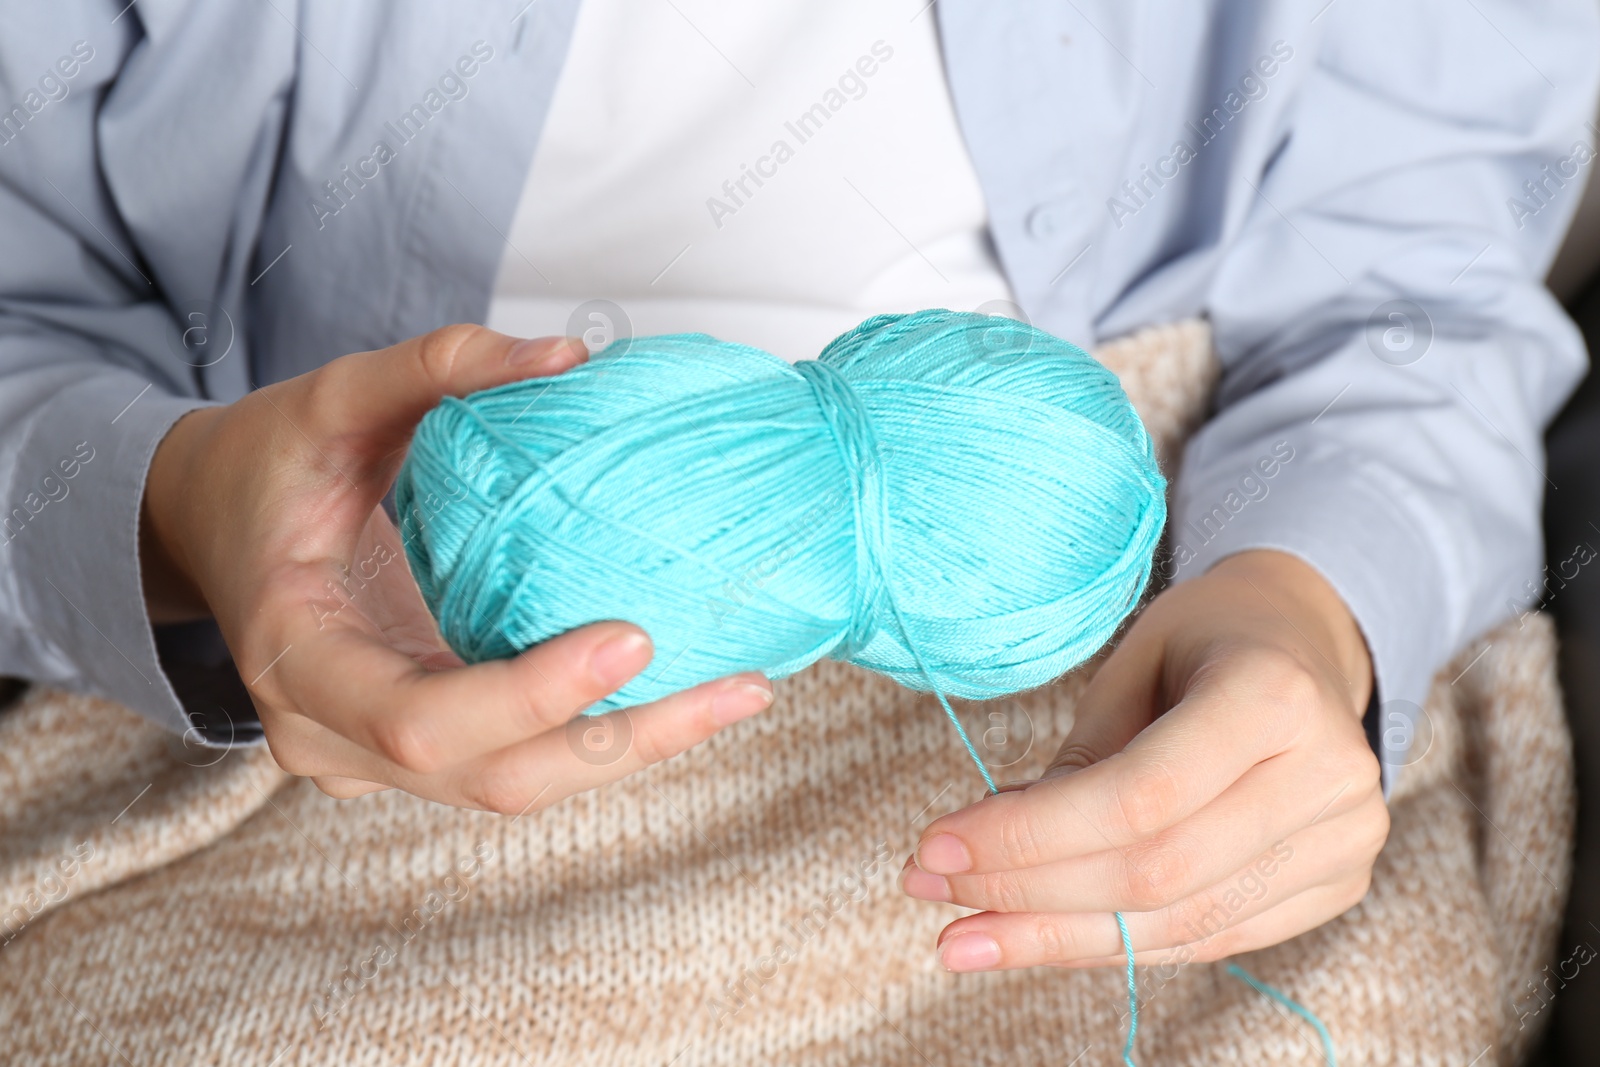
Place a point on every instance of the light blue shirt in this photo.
(1362, 198)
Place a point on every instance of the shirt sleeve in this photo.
(1390, 353)
(92, 375)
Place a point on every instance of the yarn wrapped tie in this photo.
(851, 425)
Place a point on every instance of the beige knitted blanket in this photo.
(737, 905)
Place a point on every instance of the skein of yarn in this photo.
(963, 503)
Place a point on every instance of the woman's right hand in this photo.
(266, 514)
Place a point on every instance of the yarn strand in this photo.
(1329, 1057)
(1133, 992)
(950, 713)
(1268, 991)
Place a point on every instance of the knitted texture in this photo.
(645, 923)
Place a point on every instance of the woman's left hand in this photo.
(1217, 788)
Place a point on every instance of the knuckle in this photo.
(1355, 766)
(292, 757)
(1020, 841)
(1159, 874)
(497, 792)
(340, 788)
(1287, 684)
(1214, 947)
(1002, 892)
(438, 351)
(653, 746)
(408, 746)
(1350, 775)
(262, 692)
(289, 741)
(1147, 800)
(533, 712)
(1199, 920)
(1076, 755)
(1054, 939)
(1378, 834)
(320, 399)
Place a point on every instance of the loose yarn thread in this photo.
(1330, 1059)
(1261, 987)
(517, 532)
(1133, 991)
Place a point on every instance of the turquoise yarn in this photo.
(1329, 1058)
(961, 502)
(1133, 992)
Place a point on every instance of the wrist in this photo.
(170, 590)
(1316, 613)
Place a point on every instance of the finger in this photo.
(1273, 801)
(1013, 943)
(346, 788)
(1303, 865)
(588, 752)
(1295, 916)
(382, 394)
(347, 677)
(592, 752)
(1236, 714)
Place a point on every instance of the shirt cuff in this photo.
(1344, 515)
(73, 542)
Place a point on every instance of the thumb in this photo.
(1119, 702)
(379, 396)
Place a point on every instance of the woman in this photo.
(244, 241)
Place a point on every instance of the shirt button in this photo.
(1051, 219)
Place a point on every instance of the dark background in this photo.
(1572, 515)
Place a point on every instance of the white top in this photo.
(767, 173)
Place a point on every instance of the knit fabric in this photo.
(735, 905)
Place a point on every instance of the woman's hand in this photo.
(1217, 788)
(266, 514)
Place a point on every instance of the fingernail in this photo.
(970, 952)
(944, 854)
(547, 355)
(915, 882)
(619, 659)
(739, 701)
